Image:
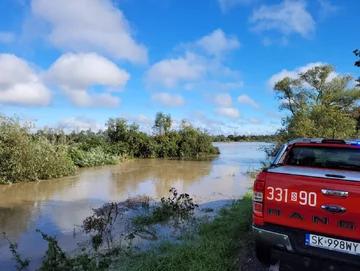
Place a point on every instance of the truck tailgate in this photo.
(313, 202)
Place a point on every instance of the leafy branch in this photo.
(22, 264)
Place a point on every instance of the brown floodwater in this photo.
(57, 206)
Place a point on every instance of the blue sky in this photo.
(75, 63)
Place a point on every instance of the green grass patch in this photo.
(213, 247)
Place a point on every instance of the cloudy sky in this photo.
(75, 63)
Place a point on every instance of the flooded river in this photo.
(57, 206)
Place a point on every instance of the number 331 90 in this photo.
(282, 195)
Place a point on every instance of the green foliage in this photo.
(357, 64)
(162, 123)
(57, 260)
(21, 264)
(214, 248)
(93, 158)
(101, 224)
(243, 138)
(194, 142)
(176, 206)
(319, 106)
(27, 158)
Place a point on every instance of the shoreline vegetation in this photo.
(28, 155)
(201, 242)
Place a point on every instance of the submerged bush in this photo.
(93, 158)
(25, 158)
(176, 206)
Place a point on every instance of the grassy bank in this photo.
(28, 155)
(216, 245)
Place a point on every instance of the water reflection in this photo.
(56, 206)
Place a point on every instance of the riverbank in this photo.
(203, 242)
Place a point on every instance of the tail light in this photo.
(258, 195)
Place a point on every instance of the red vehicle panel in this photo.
(307, 204)
(296, 201)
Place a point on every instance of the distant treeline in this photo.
(244, 138)
(51, 153)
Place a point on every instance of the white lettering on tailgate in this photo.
(282, 195)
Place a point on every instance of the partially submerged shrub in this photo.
(176, 206)
(101, 224)
(93, 158)
(20, 263)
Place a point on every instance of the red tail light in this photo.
(258, 195)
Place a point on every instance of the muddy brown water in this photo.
(57, 206)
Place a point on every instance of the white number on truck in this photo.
(282, 195)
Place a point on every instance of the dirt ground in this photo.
(246, 261)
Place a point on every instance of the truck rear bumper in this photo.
(286, 249)
(282, 241)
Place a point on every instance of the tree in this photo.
(357, 64)
(116, 129)
(319, 104)
(162, 123)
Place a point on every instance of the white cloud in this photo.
(279, 41)
(189, 86)
(225, 5)
(83, 70)
(7, 37)
(326, 8)
(20, 84)
(89, 26)
(223, 99)
(167, 99)
(169, 72)
(176, 124)
(194, 65)
(143, 119)
(81, 123)
(288, 17)
(83, 99)
(228, 112)
(231, 85)
(76, 73)
(145, 123)
(213, 126)
(217, 42)
(254, 120)
(245, 99)
(295, 74)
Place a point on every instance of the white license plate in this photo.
(332, 244)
